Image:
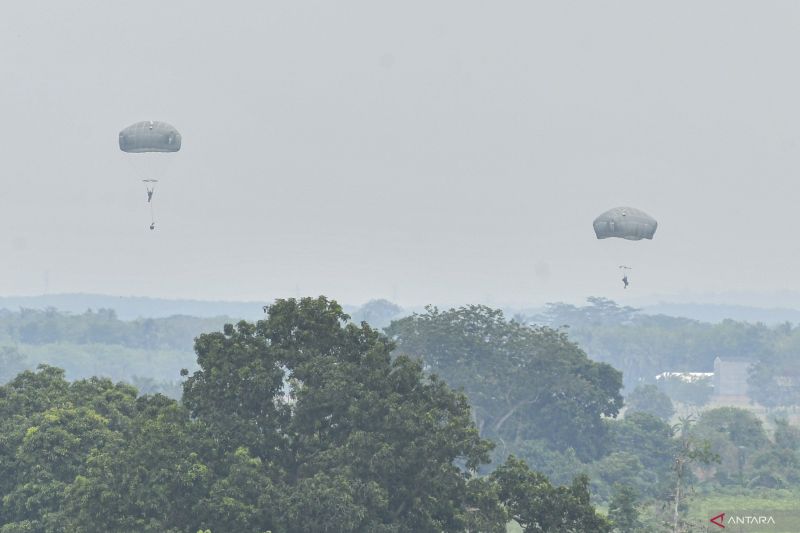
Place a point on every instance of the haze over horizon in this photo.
(360, 151)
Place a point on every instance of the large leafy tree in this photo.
(48, 430)
(361, 442)
(524, 382)
(737, 436)
(777, 465)
(642, 450)
(650, 440)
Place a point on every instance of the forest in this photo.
(455, 420)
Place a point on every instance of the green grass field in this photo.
(784, 505)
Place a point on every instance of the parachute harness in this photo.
(625, 269)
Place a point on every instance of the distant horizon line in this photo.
(646, 301)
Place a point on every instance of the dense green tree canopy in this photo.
(305, 421)
(539, 507)
(301, 422)
(45, 326)
(738, 437)
(642, 450)
(524, 383)
(373, 441)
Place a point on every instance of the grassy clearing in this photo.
(784, 504)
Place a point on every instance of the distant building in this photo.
(729, 381)
(686, 377)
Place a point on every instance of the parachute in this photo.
(625, 223)
(149, 136)
(151, 146)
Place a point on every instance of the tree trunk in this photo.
(510, 412)
(676, 515)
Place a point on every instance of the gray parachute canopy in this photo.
(625, 223)
(149, 136)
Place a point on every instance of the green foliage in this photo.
(740, 427)
(643, 451)
(621, 468)
(32, 326)
(560, 466)
(648, 399)
(99, 344)
(690, 452)
(786, 437)
(154, 480)
(537, 506)
(748, 458)
(524, 383)
(775, 379)
(623, 511)
(650, 440)
(486, 511)
(305, 421)
(599, 312)
(48, 429)
(301, 422)
(369, 441)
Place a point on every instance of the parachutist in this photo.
(625, 280)
(149, 141)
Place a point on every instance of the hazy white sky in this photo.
(451, 151)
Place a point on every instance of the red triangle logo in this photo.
(718, 520)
